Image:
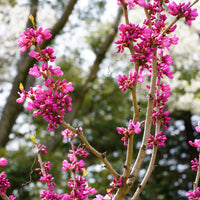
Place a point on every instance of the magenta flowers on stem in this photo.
(159, 140)
(4, 183)
(52, 102)
(132, 128)
(3, 162)
(196, 143)
(193, 194)
(127, 82)
(195, 164)
(31, 37)
(183, 10)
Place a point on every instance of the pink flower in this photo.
(106, 197)
(131, 3)
(24, 43)
(31, 37)
(42, 35)
(198, 127)
(183, 10)
(50, 105)
(80, 189)
(47, 179)
(3, 162)
(46, 55)
(141, 75)
(195, 164)
(22, 97)
(130, 33)
(116, 183)
(56, 71)
(196, 143)
(66, 87)
(42, 148)
(157, 140)
(66, 133)
(4, 184)
(50, 194)
(11, 197)
(80, 152)
(193, 195)
(46, 167)
(35, 71)
(127, 82)
(132, 128)
(74, 166)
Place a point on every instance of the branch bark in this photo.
(12, 109)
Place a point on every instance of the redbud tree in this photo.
(149, 44)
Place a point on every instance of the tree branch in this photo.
(99, 155)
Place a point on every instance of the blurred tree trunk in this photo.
(12, 109)
(54, 141)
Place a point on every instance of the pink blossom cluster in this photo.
(67, 133)
(196, 143)
(132, 128)
(128, 82)
(149, 43)
(162, 95)
(44, 55)
(106, 197)
(80, 189)
(32, 36)
(77, 184)
(195, 164)
(197, 128)
(116, 183)
(3, 162)
(147, 40)
(159, 140)
(77, 153)
(194, 194)
(4, 182)
(47, 178)
(183, 10)
(41, 148)
(52, 102)
(132, 3)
